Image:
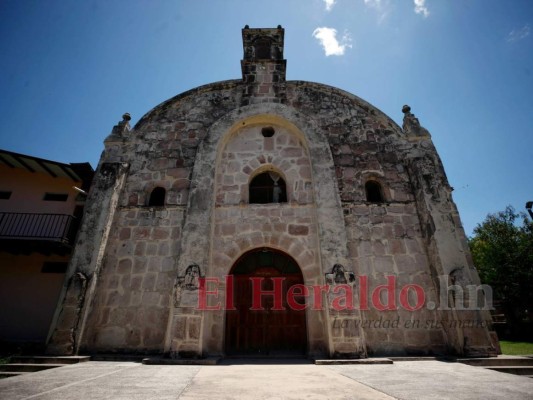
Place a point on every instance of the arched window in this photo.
(374, 193)
(157, 197)
(268, 187)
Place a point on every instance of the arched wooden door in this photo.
(265, 332)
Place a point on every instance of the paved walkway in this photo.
(249, 380)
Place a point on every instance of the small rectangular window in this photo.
(4, 195)
(55, 197)
(54, 267)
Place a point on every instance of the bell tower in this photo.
(263, 66)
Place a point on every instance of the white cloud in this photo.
(420, 7)
(382, 8)
(329, 4)
(373, 3)
(328, 39)
(519, 34)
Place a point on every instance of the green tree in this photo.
(502, 248)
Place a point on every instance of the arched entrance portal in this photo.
(264, 278)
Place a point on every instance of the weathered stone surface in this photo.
(204, 147)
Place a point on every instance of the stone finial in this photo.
(123, 126)
(246, 26)
(411, 125)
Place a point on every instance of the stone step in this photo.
(421, 358)
(356, 361)
(513, 370)
(49, 359)
(5, 374)
(497, 361)
(180, 361)
(118, 357)
(14, 367)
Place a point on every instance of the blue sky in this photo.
(69, 69)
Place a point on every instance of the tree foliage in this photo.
(502, 248)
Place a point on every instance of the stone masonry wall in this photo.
(132, 302)
(383, 240)
(290, 227)
(134, 295)
(133, 309)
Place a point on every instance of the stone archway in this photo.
(232, 228)
(265, 321)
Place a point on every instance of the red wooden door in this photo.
(265, 332)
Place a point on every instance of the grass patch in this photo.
(516, 348)
(5, 360)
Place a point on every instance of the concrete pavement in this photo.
(246, 379)
(439, 380)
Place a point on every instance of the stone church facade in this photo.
(341, 219)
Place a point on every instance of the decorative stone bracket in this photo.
(186, 287)
(339, 276)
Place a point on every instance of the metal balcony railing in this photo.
(57, 227)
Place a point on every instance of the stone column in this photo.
(465, 321)
(68, 325)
